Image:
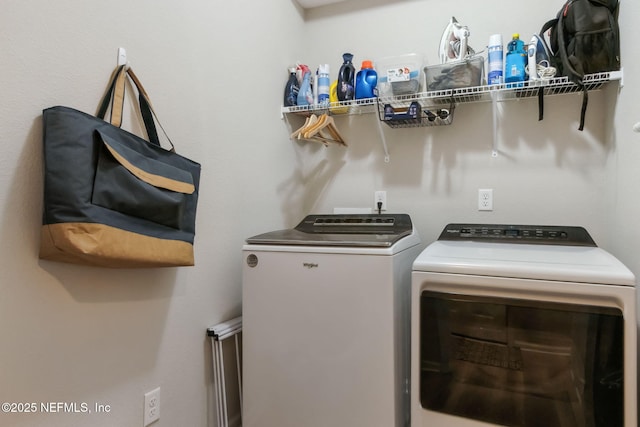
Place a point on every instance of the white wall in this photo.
(546, 172)
(624, 174)
(80, 334)
(215, 72)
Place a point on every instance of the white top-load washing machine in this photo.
(326, 322)
(517, 325)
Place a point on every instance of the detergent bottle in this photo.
(516, 61)
(346, 77)
(291, 89)
(305, 94)
(366, 81)
(333, 99)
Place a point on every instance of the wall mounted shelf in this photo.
(360, 106)
(503, 92)
(450, 97)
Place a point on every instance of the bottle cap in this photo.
(515, 36)
(323, 69)
(367, 64)
(495, 40)
(303, 69)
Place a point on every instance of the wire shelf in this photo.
(358, 106)
(408, 114)
(532, 88)
(503, 92)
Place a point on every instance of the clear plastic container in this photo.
(455, 75)
(399, 75)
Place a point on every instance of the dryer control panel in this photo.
(529, 234)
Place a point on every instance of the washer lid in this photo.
(582, 264)
(341, 230)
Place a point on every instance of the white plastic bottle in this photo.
(495, 59)
(323, 84)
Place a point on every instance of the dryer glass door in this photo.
(521, 362)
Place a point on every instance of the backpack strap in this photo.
(583, 110)
(568, 67)
(540, 103)
(546, 27)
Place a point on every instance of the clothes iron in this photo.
(537, 55)
(454, 42)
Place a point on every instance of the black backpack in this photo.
(584, 39)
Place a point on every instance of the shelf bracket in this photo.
(387, 159)
(494, 108)
(621, 72)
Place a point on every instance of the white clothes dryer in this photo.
(522, 326)
(326, 323)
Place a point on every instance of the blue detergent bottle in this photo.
(516, 61)
(366, 81)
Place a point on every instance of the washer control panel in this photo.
(530, 234)
(360, 221)
(349, 223)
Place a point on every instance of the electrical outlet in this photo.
(151, 406)
(485, 199)
(380, 197)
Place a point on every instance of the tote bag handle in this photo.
(115, 96)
